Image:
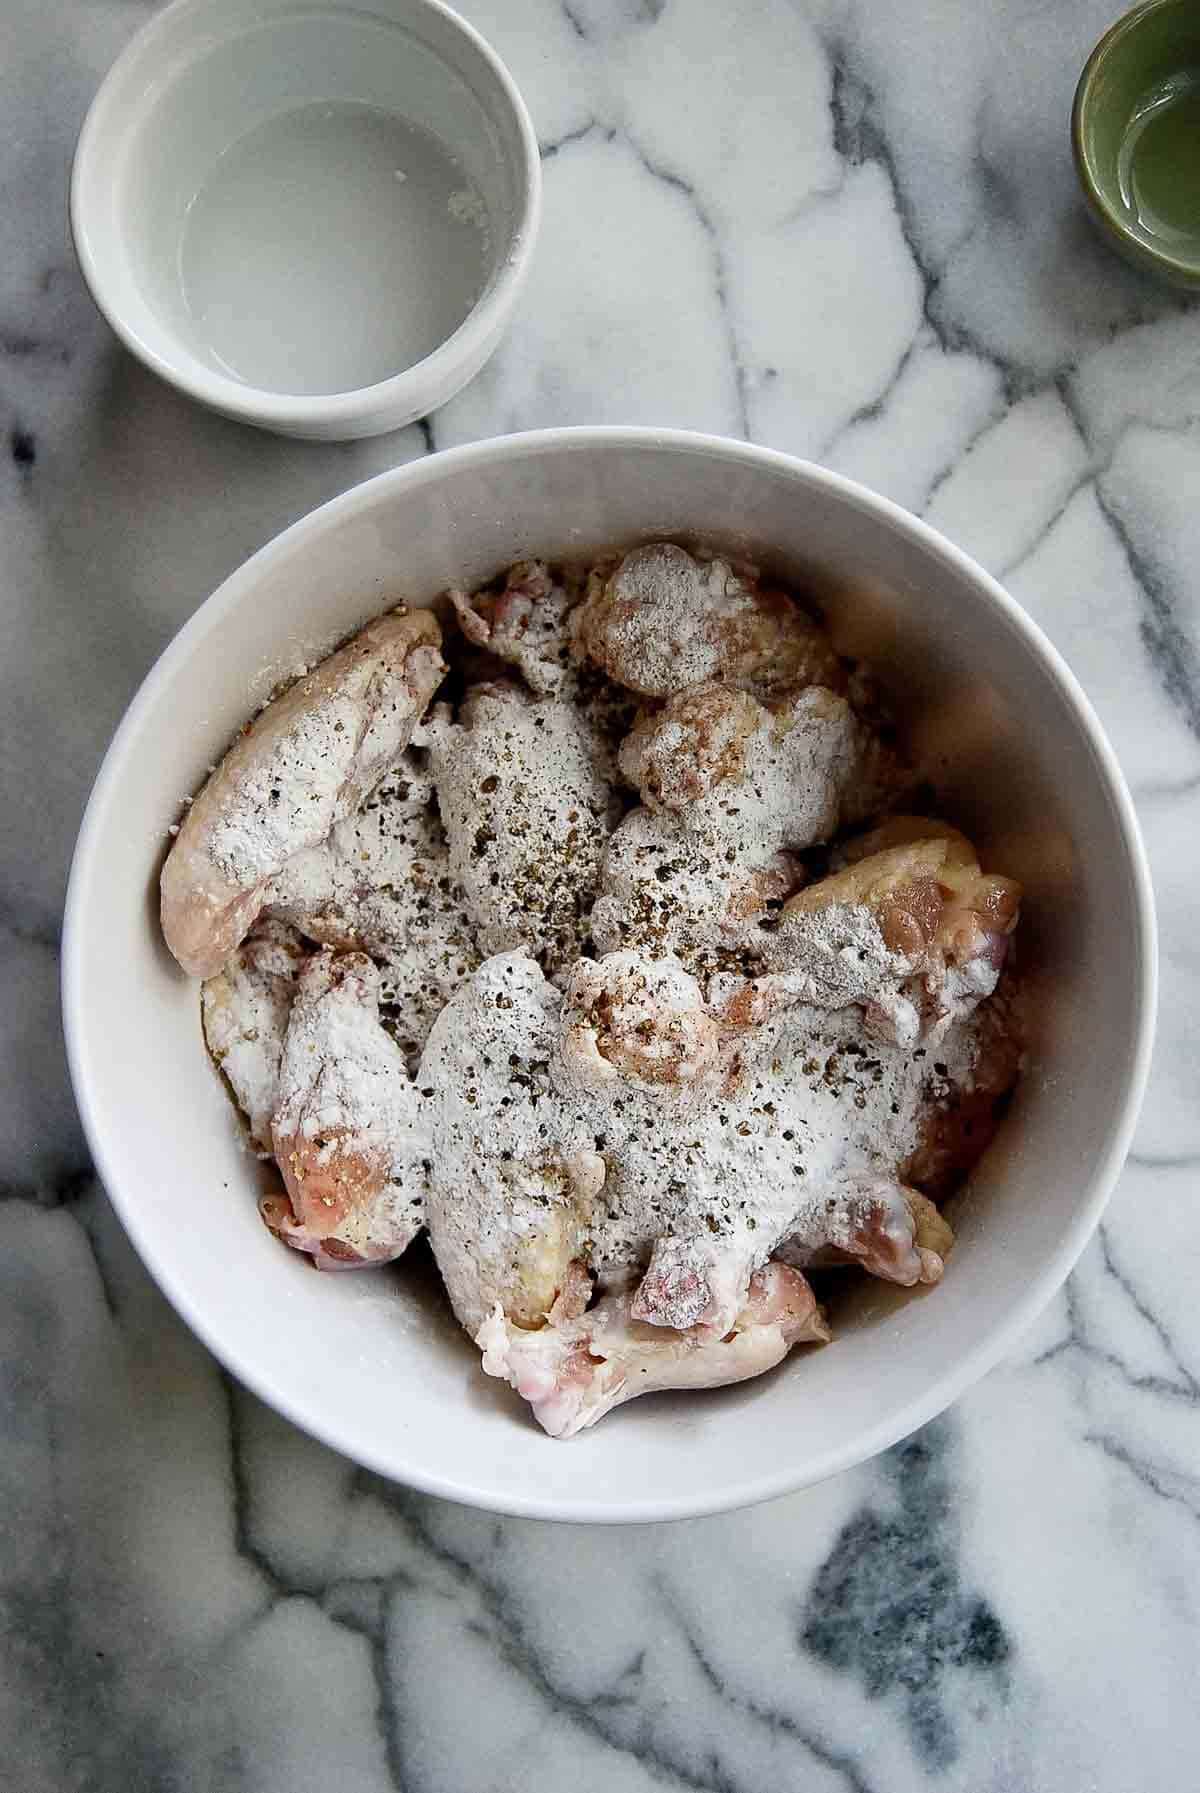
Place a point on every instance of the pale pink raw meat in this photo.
(575, 1371)
(349, 1132)
(893, 1232)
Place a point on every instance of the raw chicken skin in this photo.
(382, 883)
(246, 1008)
(893, 1232)
(909, 927)
(662, 620)
(298, 769)
(575, 1371)
(349, 1133)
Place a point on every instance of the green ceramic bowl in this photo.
(1135, 129)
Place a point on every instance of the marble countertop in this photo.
(841, 228)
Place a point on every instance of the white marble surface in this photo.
(844, 228)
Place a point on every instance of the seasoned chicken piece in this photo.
(960, 1115)
(910, 927)
(527, 806)
(245, 1009)
(526, 624)
(575, 1370)
(698, 741)
(622, 1131)
(528, 1255)
(668, 888)
(635, 1026)
(382, 883)
(791, 772)
(663, 620)
(696, 1190)
(298, 769)
(893, 1232)
(350, 1131)
(589, 1130)
(530, 625)
(637, 1019)
(513, 1188)
(352, 890)
(729, 785)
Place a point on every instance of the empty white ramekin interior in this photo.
(231, 201)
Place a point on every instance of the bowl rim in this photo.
(1154, 260)
(419, 387)
(1049, 1276)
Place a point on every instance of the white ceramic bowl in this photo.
(369, 1362)
(316, 219)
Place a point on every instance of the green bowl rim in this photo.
(1156, 260)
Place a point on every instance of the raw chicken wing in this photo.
(893, 1232)
(663, 620)
(731, 788)
(350, 1131)
(511, 1203)
(382, 883)
(910, 927)
(299, 768)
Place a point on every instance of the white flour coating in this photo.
(728, 786)
(530, 625)
(508, 1161)
(836, 957)
(527, 625)
(858, 1109)
(317, 772)
(382, 882)
(245, 1010)
(350, 1131)
(663, 620)
(796, 1110)
(302, 765)
(667, 887)
(829, 958)
(527, 808)
(769, 778)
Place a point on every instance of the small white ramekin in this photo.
(200, 78)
